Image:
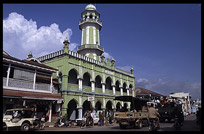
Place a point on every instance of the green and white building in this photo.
(88, 80)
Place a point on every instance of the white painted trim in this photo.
(98, 38)
(82, 37)
(87, 35)
(25, 89)
(94, 35)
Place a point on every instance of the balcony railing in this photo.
(20, 83)
(90, 20)
(117, 93)
(90, 46)
(98, 90)
(42, 86)
(86, 88)
(110, 92)
(73, 87)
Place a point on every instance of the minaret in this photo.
(90, 26)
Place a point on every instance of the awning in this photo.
(8, 93)
(130, 98)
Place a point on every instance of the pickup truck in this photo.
(136, 116)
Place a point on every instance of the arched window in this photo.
(108, 83)
(98, 82)
(130, 88)
(86, 79)
(124, 87)
(72, 78)
(117, 84)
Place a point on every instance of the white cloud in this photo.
(143, 80)
(20, 36)
(107, 55)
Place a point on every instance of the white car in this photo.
(94, 115)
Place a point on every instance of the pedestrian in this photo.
(110, 116)
(100, 119)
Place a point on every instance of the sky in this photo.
(162, 42)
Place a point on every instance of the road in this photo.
(188, 125)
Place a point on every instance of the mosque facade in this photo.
(88, 80)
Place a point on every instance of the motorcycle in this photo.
(177, 124)
(152, 124)
(60, 122)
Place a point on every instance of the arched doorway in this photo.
(86, 106)
(72, 112)
(125, 107)
(109, 105)
(98, 105)
(118, 106)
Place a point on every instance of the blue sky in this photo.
(162, 42)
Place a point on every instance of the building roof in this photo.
(142, 91)
(27, 63)
(31, 95)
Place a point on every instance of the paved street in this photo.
(188, 125)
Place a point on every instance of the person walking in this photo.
(110, 116)
(100, 119)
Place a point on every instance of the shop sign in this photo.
(91, 98)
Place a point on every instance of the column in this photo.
(98, 37)
(51, 85)
(50, 113)
(113, 89)
(80, 108)
(94, 35)
(8, 73)
(87, 35)
(80, 84)
(82, 35)
(103, 87)
(93, 86)
(128, 92)
(80, 113)
(121, 91)
(133, 92)
(34, 79)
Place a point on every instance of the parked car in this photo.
(22, 118)
(95, 118)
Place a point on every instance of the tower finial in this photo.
(66, 45)
(30, 55)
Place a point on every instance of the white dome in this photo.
(90, 7)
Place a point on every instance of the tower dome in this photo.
(90, 7)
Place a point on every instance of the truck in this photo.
(136, 116)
